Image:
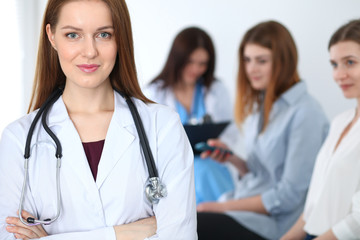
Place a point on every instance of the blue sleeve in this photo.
(306, 133)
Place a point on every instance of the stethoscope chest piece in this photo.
(155, 190)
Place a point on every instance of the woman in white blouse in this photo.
(332, 209)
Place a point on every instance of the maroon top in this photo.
(93, 152)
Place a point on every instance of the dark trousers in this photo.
(219, 226)
(309, 237)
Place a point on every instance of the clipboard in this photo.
(203, 132)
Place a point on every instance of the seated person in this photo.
(187, 84)
(332, 209)
(283, 128)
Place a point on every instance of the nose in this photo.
(89, 48)
(340, 73)
(199, 68)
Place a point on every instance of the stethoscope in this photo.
(154, 188)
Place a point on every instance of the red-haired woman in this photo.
(85, 60)
(283, 128)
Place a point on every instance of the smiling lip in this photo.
(88, 68)
(346, 86)
(255, 78)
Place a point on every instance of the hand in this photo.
(22, 231)
(136, 230)
(297, 231)
(218, 154)
(218, 207)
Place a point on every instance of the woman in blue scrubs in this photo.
(187, 84)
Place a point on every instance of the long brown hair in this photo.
(48, 73)
(348, 32)
(185, 43)
(277, 38)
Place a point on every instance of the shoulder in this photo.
(156, 92)
(158, 112)
(306, 105)
(154, 86)
(20, 127)
(217, 87)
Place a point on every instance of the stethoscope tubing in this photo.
(154, 190)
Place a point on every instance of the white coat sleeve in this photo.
(349, 227)
(11, 179)
(175, 214)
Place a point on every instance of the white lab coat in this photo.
(90, 209)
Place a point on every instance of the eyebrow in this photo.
(260, 56)
(349, 56)
(79, 29)
(344, 58)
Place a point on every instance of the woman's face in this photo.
(258, 65)
(345, 59)
(84, 41)
(196, 66)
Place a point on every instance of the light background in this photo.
(155, 24)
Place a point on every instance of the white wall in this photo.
(20, 24)
(311, 22)
(155, 24)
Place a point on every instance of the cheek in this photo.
(110, 53)
(66, 54)
(268, 73)
(203, 69)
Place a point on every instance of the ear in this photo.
(51, 36)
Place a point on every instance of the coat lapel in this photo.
(118, 139)
(74, 159)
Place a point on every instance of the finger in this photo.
(22, 231)
(216, 143)
(200, 208)
(224, 156)
(216, 155)
(37, 229)
(20, 236)
(205, 154)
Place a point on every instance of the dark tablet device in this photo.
(203, 132)
(203, 146)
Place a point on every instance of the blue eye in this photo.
(350, 62)
(333, 64)
(262, 61)
(104, 35)
(72, 35)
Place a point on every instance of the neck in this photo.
(185, 87)
(88, 100)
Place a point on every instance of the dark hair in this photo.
(48, 73)
(347, 32)
(183, 46)
(277, 38)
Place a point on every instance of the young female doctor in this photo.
(283, 128)
(187, 84)
(332, 209)
(85, 53)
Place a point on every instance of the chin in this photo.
(258, 87)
